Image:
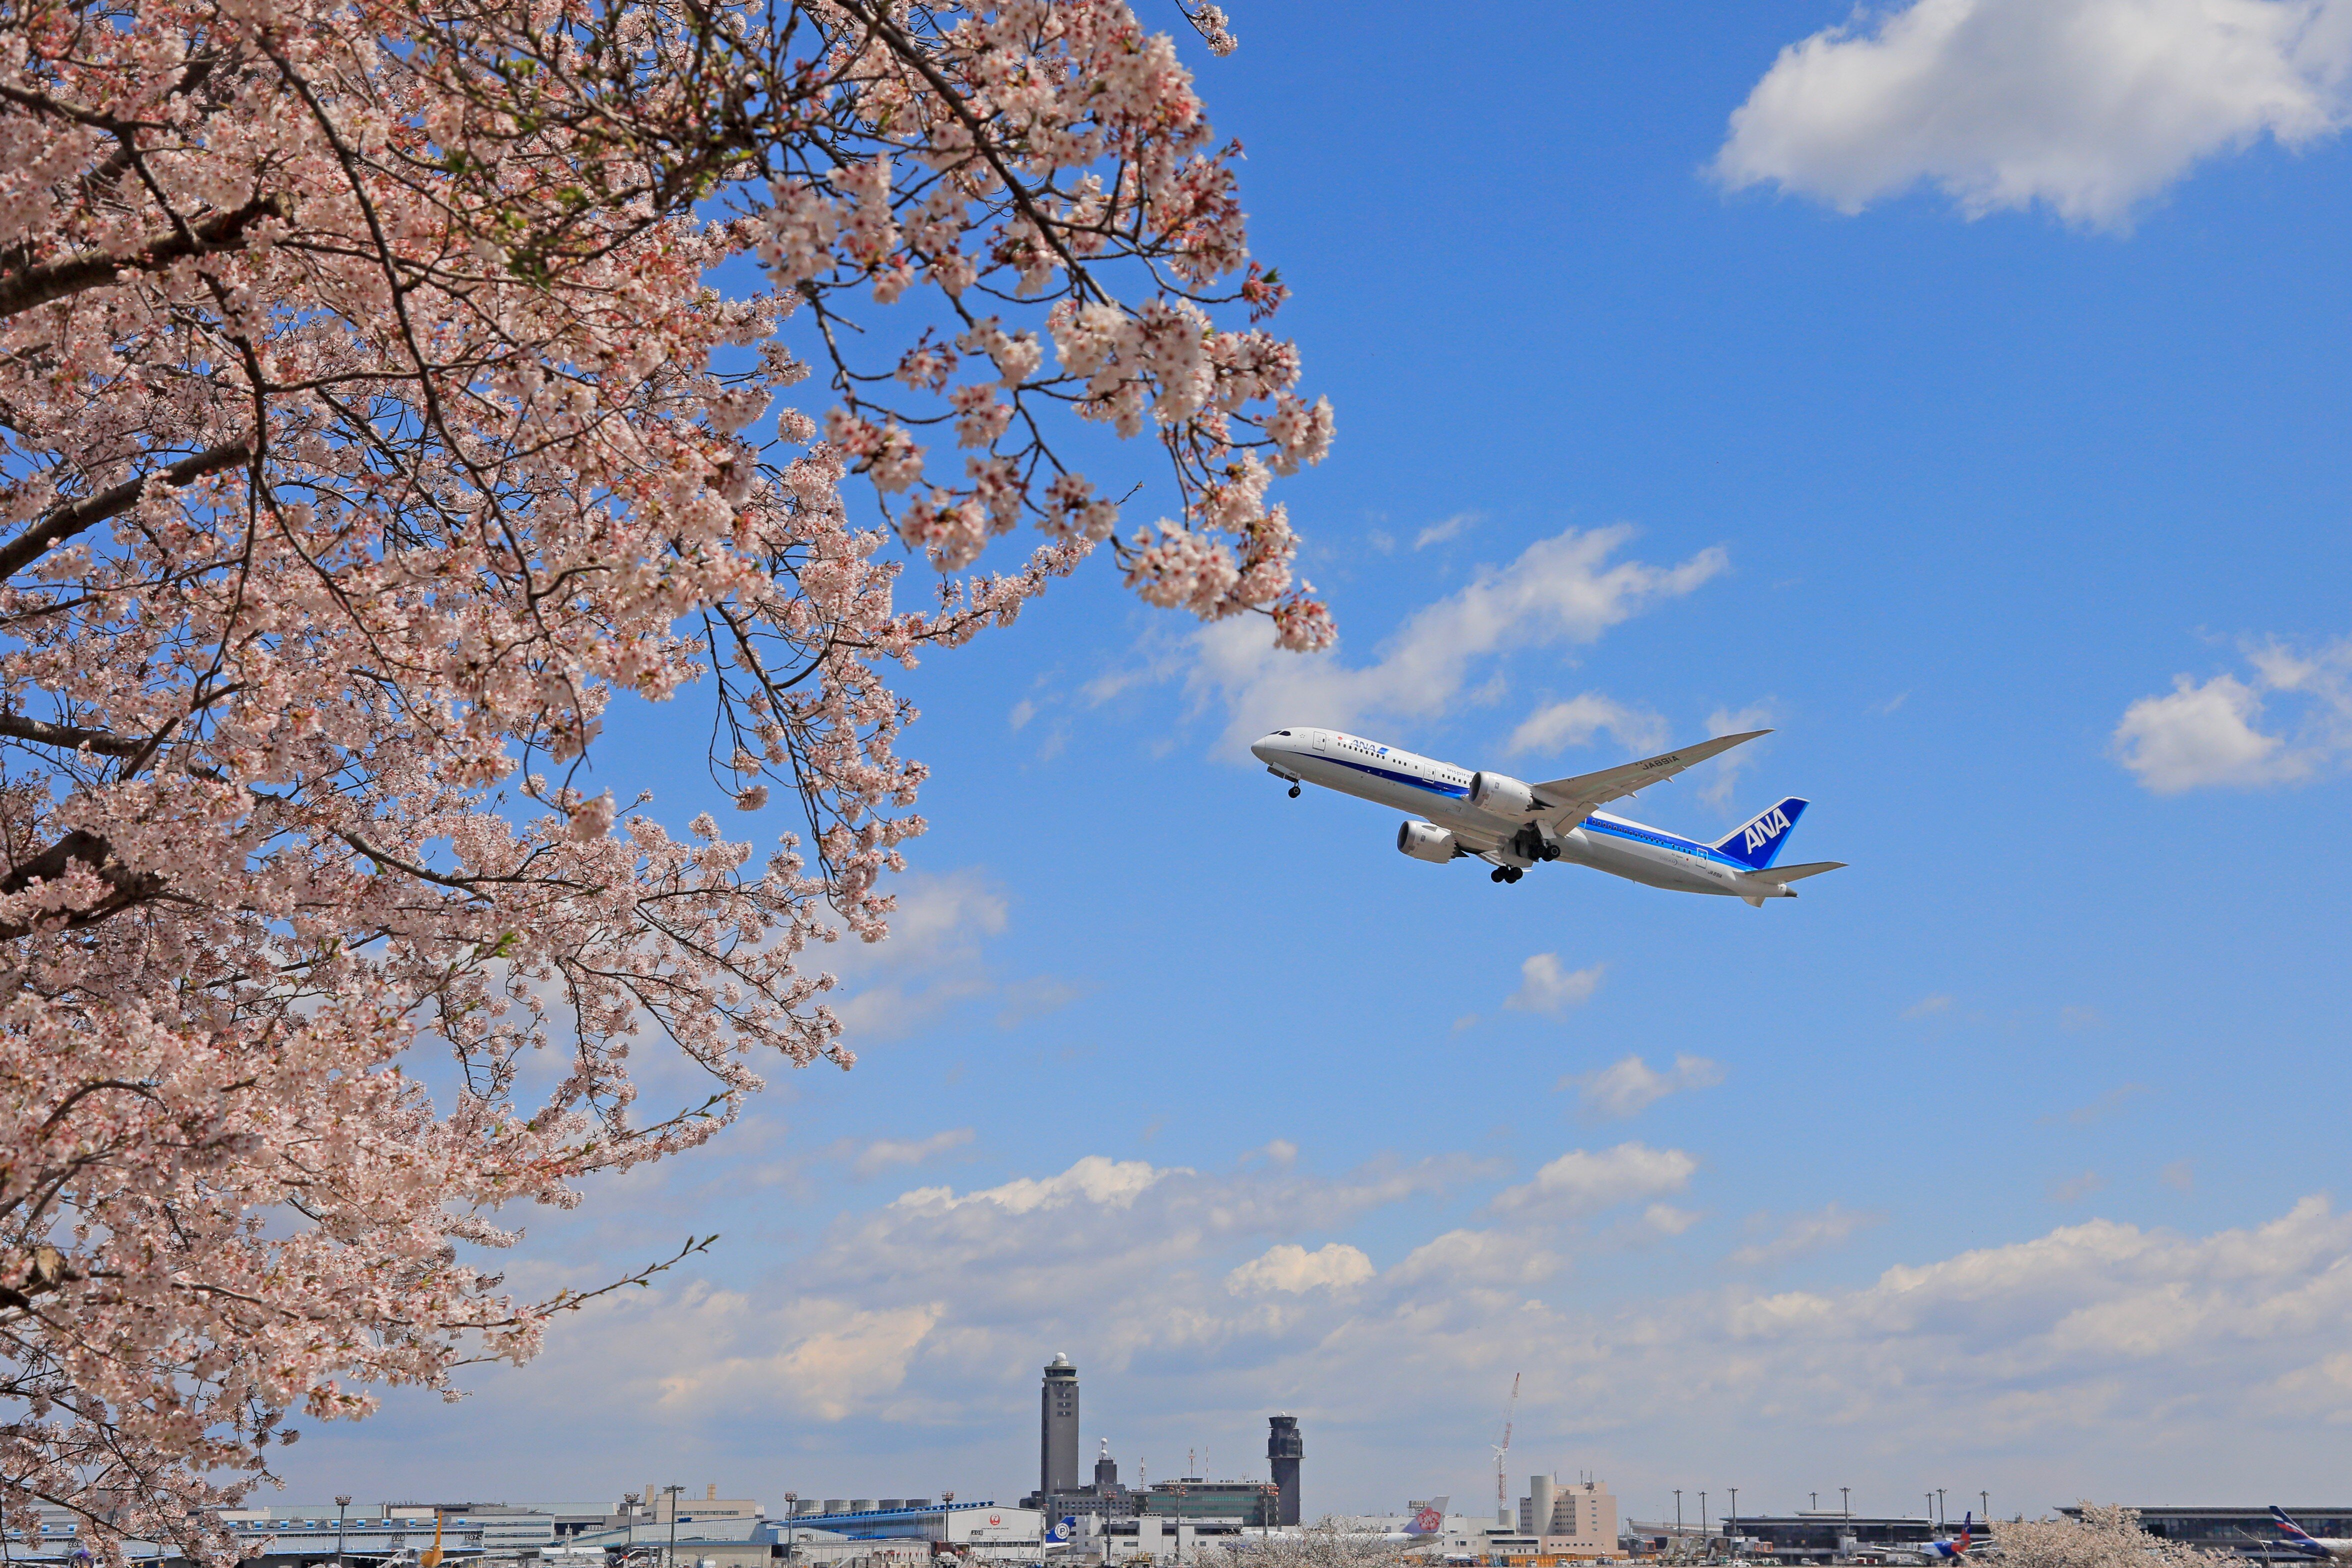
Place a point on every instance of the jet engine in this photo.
(1426, 841)
(1501, 793)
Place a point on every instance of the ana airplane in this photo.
(2295, 1539)
(1514, 826)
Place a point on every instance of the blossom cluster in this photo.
(369, 416)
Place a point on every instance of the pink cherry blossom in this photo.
(374, 404)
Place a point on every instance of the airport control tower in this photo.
(1282, 1453)
(1057, 1429)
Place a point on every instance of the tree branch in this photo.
(36, 285)
(67, 520)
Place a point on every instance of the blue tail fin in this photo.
(1758, 842)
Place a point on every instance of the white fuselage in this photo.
(1440, 793)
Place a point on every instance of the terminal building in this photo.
(1209, 1507)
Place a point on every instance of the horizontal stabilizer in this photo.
(1787, 874)
(1564, 803)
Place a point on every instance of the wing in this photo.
(1564, 803)
(1784, 875)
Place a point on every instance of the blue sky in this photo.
(1984, 437)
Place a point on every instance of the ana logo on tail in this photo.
(1766, 828)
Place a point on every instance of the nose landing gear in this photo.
(1294, 792)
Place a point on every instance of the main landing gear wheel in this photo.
(1294, 792)
(1512, 873)
(1496, 875)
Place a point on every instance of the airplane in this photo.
(1427, 1519)
(2302, 1543)
(1514, 826)
(1948, 1551)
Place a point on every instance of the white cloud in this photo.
(2087, 107)
(1293, 1269)
(2201, 736)
(934, 962)
(1096, 1179)
(1725, 770)
(1546, 987)
(1927, 1006)
(1574, 722)
(1022, 711)
(1630, 1085)
(1802, 1235)
(1478, 1257)
(1439, 533)
(1562, 589)
(2210, 734)
(886, 1152)
(1668, 1220)
(1583, 1181)
(2074, 1189)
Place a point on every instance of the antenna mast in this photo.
(1502, 1459)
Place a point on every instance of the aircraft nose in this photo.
(1266, 748)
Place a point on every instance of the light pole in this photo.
(1678, 1519)
(670, 1559)
(1735, 1524)
(1984, 1505)
(1706, 1531)
(792, 1501)
(947, 1503)
(1939, 1507)
(1845, 1500)
(1931, 1514)
(342, 1507)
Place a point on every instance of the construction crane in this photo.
(1502, 1459)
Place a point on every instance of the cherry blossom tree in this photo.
(383, 385)
(2103, 1536)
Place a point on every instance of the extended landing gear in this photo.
(1294, 792)
(1504, 874)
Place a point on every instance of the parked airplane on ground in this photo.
(1513, 825)
(1948, 1549)
(2302, 1543)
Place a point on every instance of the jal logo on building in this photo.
(996, 1518)
(1765, 829)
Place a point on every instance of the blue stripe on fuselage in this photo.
(1456, 792)
(1651, 836)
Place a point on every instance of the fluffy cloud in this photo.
(1574, 722)
(1723, 772)
(1802, 1235)
(2088, 106)
(935, 961)
(1583, 1181)
(886, 1152)
(1440, 532)
(1565, 589)
(2211, 733)
(1096, 1179)
(905, 1337)
(1546, 987)
(1630, 1085)
(1291, 1267)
